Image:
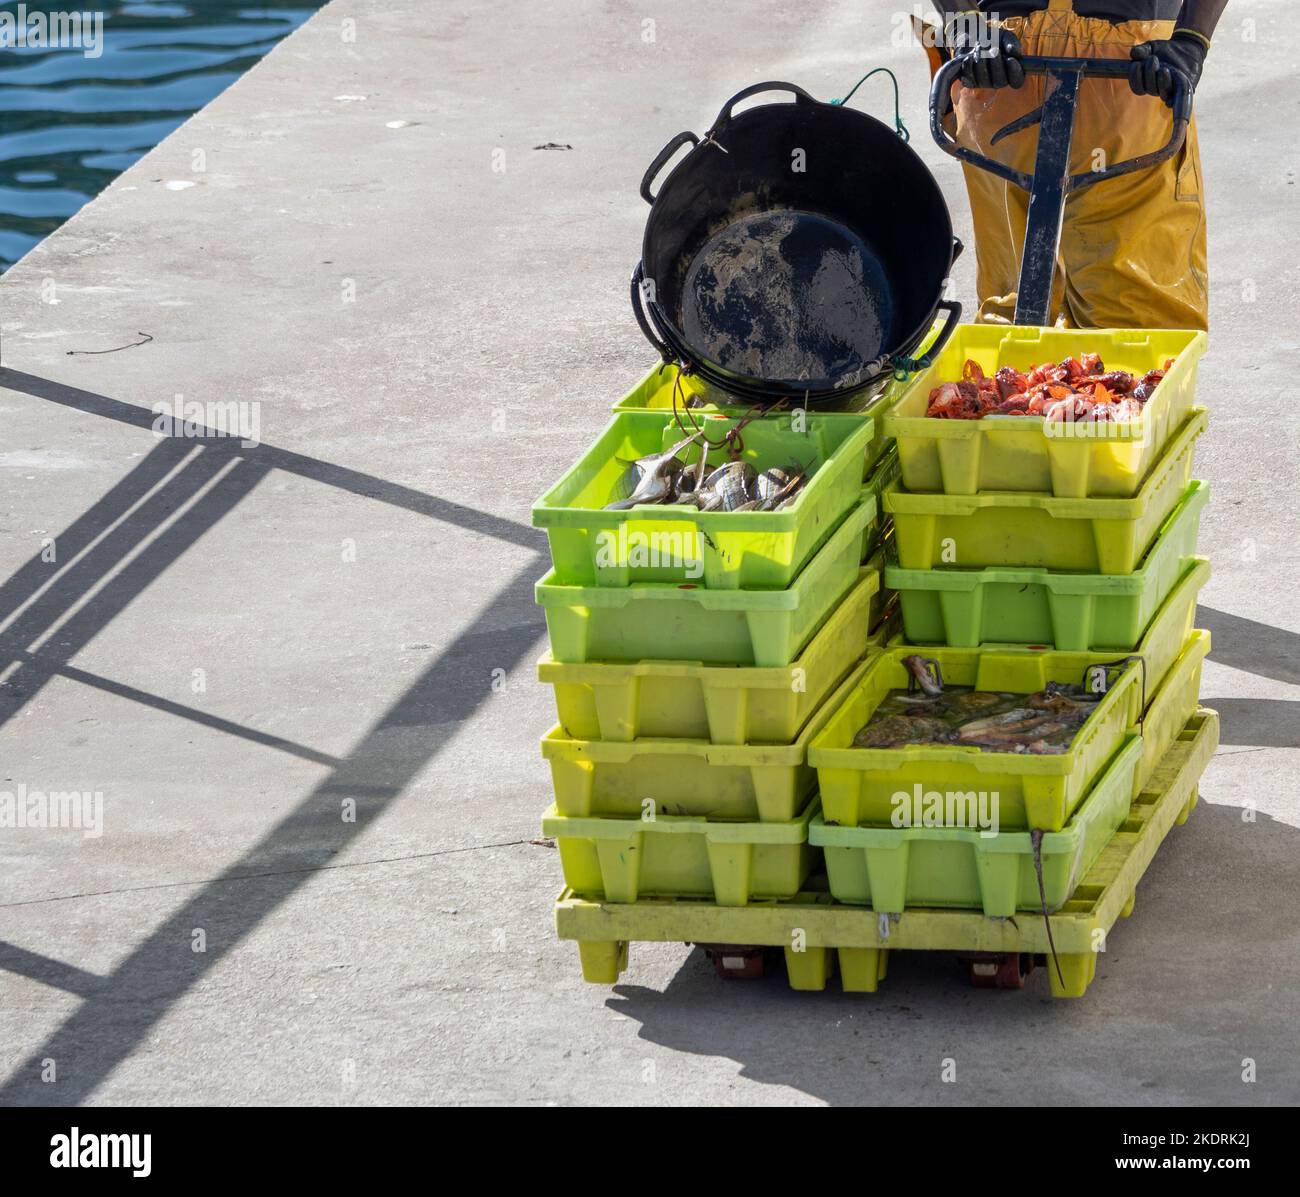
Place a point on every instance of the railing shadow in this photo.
(126, 540)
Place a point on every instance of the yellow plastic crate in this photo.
(1174, 703)
(1170, 682)
(891, 868)
(814, 930)
(622, 860)
(858, 785)
(1108, 536)
(740, 783)
(963, 457)
(726, 704)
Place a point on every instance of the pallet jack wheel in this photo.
(999, 970)
(736, 962)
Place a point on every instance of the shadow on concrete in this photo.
(1264, 650)
(1258, 722)
(48, 971)
(1214, 922)
(1252, 646)
(127, 539)
(366, 486)
(103, 1031)
(145, 522)
(204, 487)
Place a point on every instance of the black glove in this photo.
(991, 56)
(1150, 73)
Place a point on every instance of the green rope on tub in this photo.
(899, 127)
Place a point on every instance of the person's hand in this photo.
(991, 57)
(1151, 74)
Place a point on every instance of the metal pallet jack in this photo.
(812, 931)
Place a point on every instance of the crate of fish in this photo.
(1108, 536)
(1073, 611)
(726, 704)
(767, 783)
(685, 622)
(649, 502)
(965, 861)
(1160, 646)
(624, 860)
(1030, 728)
(1071, 413)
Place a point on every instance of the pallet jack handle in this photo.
(1051, 183)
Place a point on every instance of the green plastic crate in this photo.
(1074, 612)
(655, 393)
(1108, 536)
(1161, 643)
(891, 868)
(857, 784)
(692, 778)
(623, 860)
(718, 550)
(661, 621)
(1017, 453)
(726, 704)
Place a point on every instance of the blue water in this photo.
(70, 122)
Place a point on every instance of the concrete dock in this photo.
(300, 671)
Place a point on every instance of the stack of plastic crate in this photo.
(694, 655)
(1027, 553)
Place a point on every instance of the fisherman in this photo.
(1133, 250)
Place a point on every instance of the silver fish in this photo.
(776, 484)
(728, 487)
(1008, 722)
(655, 483)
